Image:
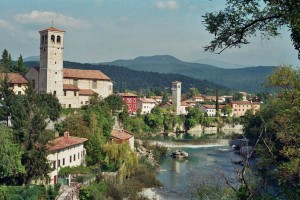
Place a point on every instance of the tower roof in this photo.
(52, 29)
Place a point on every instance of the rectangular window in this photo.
(54, 165)
(86, 102)
(70, 159)
(94, 85)
(74, 157)
(19, 92)
(54, 93)
(63, 161)
(33, 84)
(65, 93)
(58, 163)
(70, 106)
(11, 85)
(74, 93)
(19, 85)
(75, 82)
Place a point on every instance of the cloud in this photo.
(44, 17)
(5, 25)
(170, 5)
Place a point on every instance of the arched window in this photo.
(52, 38)
(58, 40)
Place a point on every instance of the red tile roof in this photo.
(52, 29)
(121, 134)
(147, 100)
(213, 106)
(14, 78)
(85, 74)
(65, 142)
(86, 92)
(127, 94)
(70, 87)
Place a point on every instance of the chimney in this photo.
(66, 134)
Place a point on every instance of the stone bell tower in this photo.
(51, 62)
(176, 96)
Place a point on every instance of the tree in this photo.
(7, 98)
(5, 63)
(19, 66)
(226, 110)
(241, 20)
(115, 102)
(10, 157)
(237, 96)
(193, 118)
(192, 92)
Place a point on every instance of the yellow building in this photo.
(239, 108)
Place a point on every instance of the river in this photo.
(207, 159)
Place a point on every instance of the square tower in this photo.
(176, 96)
(51, 62)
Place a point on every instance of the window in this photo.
(58, 40)
(74, 93)
(70, 106)
(33, 83)
(134, 100)
(58, 163)
(46, 39)
(54, 93)
(43, 40)
(81, 102)
(52, 38)
(94, 84)
(70, 159)
(65, 94)
(75, 82)
(74, 157)
(86, 102)
(19, 92)
(63, 161)
(19, 85)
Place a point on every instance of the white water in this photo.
(185, 145)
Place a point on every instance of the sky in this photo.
(107, 30)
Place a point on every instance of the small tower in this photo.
(51, 62)
(176, 96)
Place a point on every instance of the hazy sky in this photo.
(106, 30)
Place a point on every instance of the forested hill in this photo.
(248, 79)
(129, 79)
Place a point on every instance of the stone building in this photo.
(72, 87)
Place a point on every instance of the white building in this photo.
(72, 87)
(176, 96)
(66, 151)
(211, 110)
(145, 105)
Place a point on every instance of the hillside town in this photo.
(86, 128)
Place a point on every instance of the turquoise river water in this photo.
(181, 178)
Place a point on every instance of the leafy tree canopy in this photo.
(242, 19)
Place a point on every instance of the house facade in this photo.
(130, 100)
(211, 110)
(72, 87)
(145, 105)
(120, 136)
(239, 108)
(18, 82)
(66, 151)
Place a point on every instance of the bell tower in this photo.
(51, 62)
(176, 96)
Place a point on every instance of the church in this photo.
(72, 87)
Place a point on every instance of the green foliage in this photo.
(277, 128)
(192, 92)
(74, 170)
(226, 110)
(115, 102)
(51, 105)
(193, 118)
(94, 191)
(155, 119)
(237, 96)
(20, 66)
(241, 20)
(122, 157)
(10, 157)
